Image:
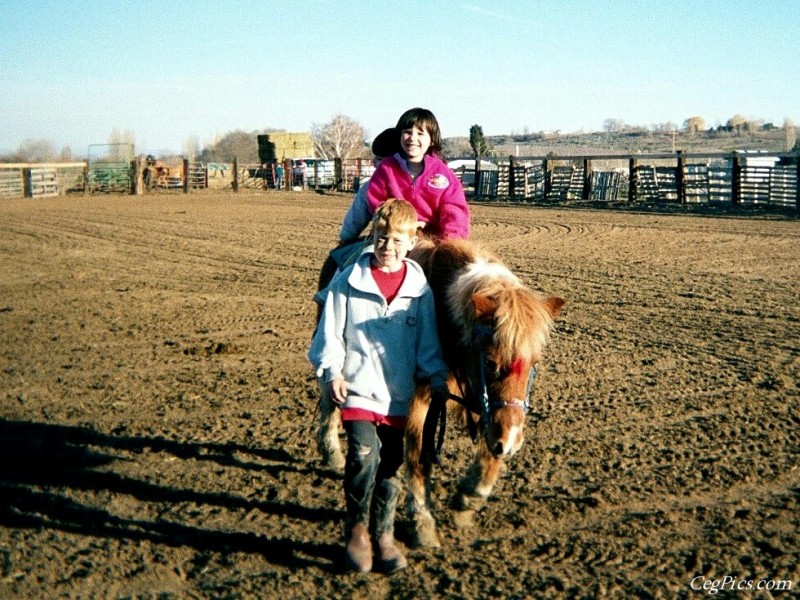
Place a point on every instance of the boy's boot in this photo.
(390, 559)
(358, 552)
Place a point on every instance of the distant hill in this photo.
(578, 144)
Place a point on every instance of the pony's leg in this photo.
(476, 486)
(418, 471)
(328, 431)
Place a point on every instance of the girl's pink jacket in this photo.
(435, 193)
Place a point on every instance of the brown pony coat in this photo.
(474, 289)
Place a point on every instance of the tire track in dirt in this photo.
(169, 336)
(175, 249)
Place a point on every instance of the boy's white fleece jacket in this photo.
(379, 349)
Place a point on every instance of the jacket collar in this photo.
(360, 278)
(403, 162)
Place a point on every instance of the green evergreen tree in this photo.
(480, 147)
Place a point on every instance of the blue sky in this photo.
(73, 71)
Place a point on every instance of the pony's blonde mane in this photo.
(522, 320)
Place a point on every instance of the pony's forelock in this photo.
(523, 325)
(522, 321)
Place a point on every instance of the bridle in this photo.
(474, 396)
(480, 334)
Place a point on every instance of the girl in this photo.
(418, 175)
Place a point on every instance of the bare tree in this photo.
(737, 123)
(235, 144)
(694, 125)
(118, 140)
(613, 125)
(342, 137)
(191, 147)
(36, 150)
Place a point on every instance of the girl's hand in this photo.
(338, 390)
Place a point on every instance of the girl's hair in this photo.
(424, 119)
(395, 215)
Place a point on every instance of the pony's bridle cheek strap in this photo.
(479, 333)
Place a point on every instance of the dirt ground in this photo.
(156, 434)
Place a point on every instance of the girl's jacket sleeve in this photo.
(358, 216)
(378, 190)
(454, 210)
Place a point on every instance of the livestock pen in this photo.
(738, 178)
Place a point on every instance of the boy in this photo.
(376, 336)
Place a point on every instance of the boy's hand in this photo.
(338, 390)
(440, 394)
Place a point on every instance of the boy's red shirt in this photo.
(388, 284)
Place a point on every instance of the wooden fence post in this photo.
(138, 176)
(736, 181)
(478, 190)
(632, 187)
(185, 175)
(512, 182)
(338, 177)
(587, 179)
(86, 178)
(235, 182)
(680, 177)
(132, 178)
(548, 183)
(27, 183)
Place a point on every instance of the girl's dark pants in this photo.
(374, 455)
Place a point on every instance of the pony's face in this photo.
(508, 337)
(508, 388)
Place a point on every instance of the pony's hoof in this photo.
(464, 519)
(467, 503)
(425, 536)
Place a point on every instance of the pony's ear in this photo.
(484, 306)
(554, 305)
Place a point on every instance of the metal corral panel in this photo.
(783, 185)
(605, 185)
(43, 183)
(695, 181)
(11, 185)
(325, 172)
(720, 181)
(110, 176)
(755, 184)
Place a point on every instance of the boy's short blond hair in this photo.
(396, 215)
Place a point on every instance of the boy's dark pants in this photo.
(374, 455)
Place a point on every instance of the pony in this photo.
(493, 331)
